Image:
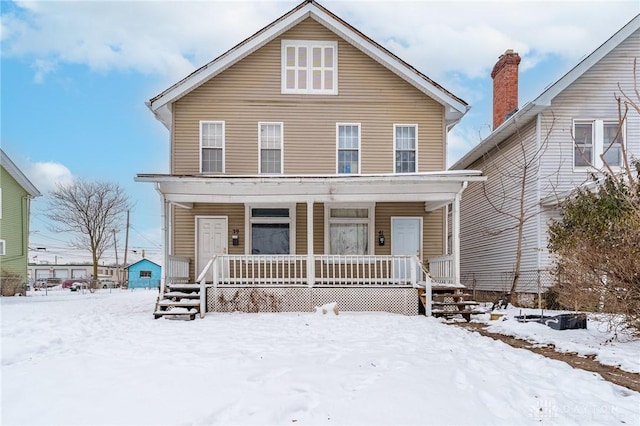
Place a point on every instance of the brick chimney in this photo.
(505, 87)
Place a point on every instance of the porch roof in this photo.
(436, 189)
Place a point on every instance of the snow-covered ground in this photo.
(101, 359)
(622, 351)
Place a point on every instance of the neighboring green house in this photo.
(16, 192)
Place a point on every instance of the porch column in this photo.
(455, 236)
(311, 265)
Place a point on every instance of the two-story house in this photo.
(557, 140)
(308, 161)
(16, 192)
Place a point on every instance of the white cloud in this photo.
(171, 38)
(46, 175)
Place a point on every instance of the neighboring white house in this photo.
(568, 125)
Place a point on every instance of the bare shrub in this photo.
(11, 284)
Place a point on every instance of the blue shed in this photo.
(144, 274)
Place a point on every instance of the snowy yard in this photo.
(101, 359)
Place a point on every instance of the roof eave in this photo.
(19, 177)
(455, 108)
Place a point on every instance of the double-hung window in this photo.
(310, 67)
(405, 137)
(271, 229)
(593, 138)
(612, 144)
(349, 229)
(348, 145)
(270, 146)
(212, 146)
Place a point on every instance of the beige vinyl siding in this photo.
(432, 224)
(249, 92)
(488, 239)
(184, 227)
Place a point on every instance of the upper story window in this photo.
(212, 146)
(310, 67)
(270, 146)
(405, 137)
(348, 145)
(593, 138)
(3, 247)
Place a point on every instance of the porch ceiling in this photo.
(432, 188)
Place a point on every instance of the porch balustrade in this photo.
(441, 269)
(330, 270)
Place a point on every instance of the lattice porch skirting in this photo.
(303, 299)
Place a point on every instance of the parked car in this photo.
(107, 283)
(69, 283)
(47, 282)
(79, 285)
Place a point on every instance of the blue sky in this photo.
(75, 76)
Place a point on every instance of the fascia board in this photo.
(159, 104)
(19, 177)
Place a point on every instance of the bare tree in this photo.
(90, 210)
(512, 171)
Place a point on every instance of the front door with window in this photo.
(211, 235)
(406, 239)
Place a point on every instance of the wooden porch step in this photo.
(191, 313)
(179, 303)
(461, 303)
(181, 295)
(183, 287)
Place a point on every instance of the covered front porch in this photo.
(306, 239)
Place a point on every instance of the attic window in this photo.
(310, 67)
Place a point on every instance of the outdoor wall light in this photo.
(380, 238)
(235, 238)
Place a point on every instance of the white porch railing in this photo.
(441, 269)
(330, 270)
(176, 270)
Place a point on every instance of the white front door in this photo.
(211, 239)
(406, 240)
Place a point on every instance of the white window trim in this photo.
(3, 247)
(395, 125)
(224, 144)
(359, 147)
(281, 124)
(309, 44)
(291, 220)
(597, 143)
(371, 221)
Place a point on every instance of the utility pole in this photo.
(126, 243)
(115, 247)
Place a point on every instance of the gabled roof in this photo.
(455, 107)
(542, 102)
(17, 174)
(142, 260)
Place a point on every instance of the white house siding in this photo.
(489, 239)
(591, 96)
